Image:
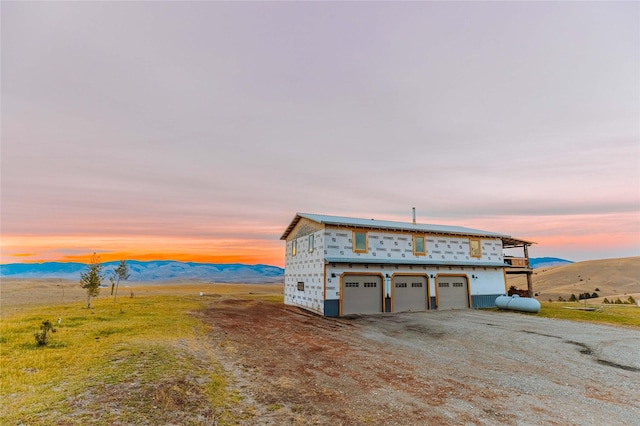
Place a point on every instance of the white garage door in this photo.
(452, 292)
(361, 294)
(409, 293)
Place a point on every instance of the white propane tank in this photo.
(517, 303)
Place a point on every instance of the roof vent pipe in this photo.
(414, 214)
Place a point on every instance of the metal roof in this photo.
(399, 226)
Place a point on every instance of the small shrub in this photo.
(606, 301)
(560, 299)
(572, 298)
(586, 295)
(42, 335)
(513, 290)
(597, 289)
(631, 300)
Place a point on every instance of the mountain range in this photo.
(164, 270)
(547, 262)
(157, 270)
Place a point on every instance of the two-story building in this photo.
(339, 265)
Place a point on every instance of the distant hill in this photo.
(160, 270)
(607, 277)
(547, 262)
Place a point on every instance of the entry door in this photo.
(453, 293)
(361, 294)
(409, 293)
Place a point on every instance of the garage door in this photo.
(409, 293)
(452, 293)
(361, 294)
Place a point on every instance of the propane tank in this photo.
(517, 303)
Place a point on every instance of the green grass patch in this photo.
(619, 315)
(141, 358)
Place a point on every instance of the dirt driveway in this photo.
(456, 367)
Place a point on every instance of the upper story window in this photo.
(294, 247)
(475, 248)
(419, 248)
(311, 243)
(360, 241)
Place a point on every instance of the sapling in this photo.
(42, 335)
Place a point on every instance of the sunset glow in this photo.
(572, 236)
(80, 249)
(194, 131)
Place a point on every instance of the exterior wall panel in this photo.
(396, 245)
(484, 301)
(305, 267)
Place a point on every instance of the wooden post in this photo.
(529, 273)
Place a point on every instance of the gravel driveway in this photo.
(451, 367)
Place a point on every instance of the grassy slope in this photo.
(613, 278)
(137, 356)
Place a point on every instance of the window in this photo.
(401, 285)
(360, 241)
(311, 243)
(370, 285)
(418, 246)
(294, 247)
(475, 248)
(300, 285)
(414, 285)
(351, 284)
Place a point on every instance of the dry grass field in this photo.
(610, 278)
(18, 294)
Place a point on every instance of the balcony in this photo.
(517, 262)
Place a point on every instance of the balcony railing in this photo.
(517, 262)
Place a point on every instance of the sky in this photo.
(195, 131)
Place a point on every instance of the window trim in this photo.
(471, 250)
(366, 241)
(424, 246)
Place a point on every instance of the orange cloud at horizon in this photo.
(143, 248)
(575, 237)
(180, 257)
